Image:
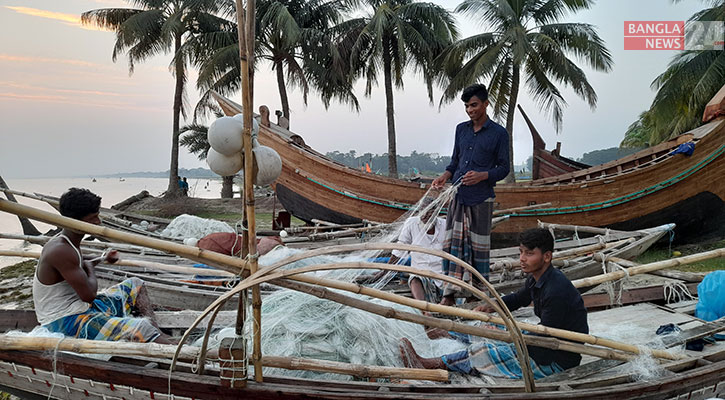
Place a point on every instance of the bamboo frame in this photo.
(245, 32)
(166, 351)
(230, 264)
(644, 268)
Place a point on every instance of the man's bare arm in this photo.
(82, 280)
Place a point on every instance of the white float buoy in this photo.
(224, 165)
(225, 135)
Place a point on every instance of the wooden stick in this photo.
(577, 251)
(165, 351)
(42, 240)
(514, 209)
(448, 325)
(578, 228)
(135, 263)
(473, 315)
(234, 265)
(245, 29)
(644, 268)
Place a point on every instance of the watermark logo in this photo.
(674, 35)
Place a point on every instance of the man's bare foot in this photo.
(411, 359)
(437, 333)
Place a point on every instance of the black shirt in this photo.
(559, 305)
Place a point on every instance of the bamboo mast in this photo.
(245, 31)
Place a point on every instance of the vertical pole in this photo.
(245, 29)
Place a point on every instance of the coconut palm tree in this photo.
(194, 137)
(692, 78)
(395, 35)
(294, 36)
(158, 27)
(526, 40)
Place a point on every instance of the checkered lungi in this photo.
(468, 237)
(109, 317)
(497, 360)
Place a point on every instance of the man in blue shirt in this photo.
(480, 159)
(556, 301)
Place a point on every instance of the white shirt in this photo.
(413, 233)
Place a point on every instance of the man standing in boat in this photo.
(557, 303)
(480, 159)
(65, 286)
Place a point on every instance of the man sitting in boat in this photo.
(65, 286)
(556, 302)
(480, 159)
(427, 232)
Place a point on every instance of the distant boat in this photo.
(93, 180)
(121, 180)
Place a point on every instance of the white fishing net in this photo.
(190, 226)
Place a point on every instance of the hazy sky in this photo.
(67, 110)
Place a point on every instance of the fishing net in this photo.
(189, 226)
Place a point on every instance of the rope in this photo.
(676, 290)
(626, 198)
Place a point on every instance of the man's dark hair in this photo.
(78, 203)
(537, 238)
(479, 90)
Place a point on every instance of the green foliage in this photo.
(294, 36)
(662, 253)
(602, 156)
(426, 163)
(683, 90)
(392, 36)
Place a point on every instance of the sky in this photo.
(66, 109)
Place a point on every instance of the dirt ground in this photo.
(265, 202)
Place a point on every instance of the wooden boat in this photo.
(644, 189)
(63, 375)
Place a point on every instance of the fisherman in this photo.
(65, 288)
(428, 232)
(556, 302)
(480, 159)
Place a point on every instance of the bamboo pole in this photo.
(644, 268)
(164, 351)
(558, 255)
(42, 240)
(135, 263)
(234, 265)
(523, 208)
(264, 275)
(578, 228)
(245, 29)
(388, 312)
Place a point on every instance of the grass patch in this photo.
(662, 253)
(21, 269)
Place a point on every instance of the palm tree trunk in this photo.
(173, 189)
(282, 90)
(390, 111)
(227, 187)
(513, 98)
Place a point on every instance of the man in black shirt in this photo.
(556, 302)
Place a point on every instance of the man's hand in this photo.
(484, 308)
(440, 181)
(474, 177)
(112, 257)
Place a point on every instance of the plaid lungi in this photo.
(497, 360)
(468, 237)
(431, 290)
(109, 317)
